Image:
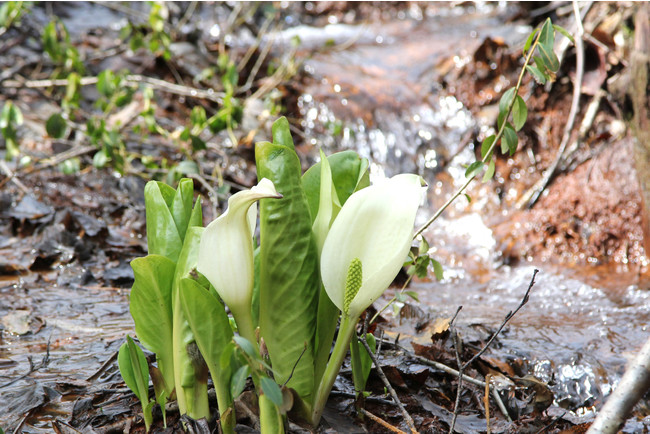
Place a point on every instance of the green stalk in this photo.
(244, 319)
(191, 380)
(346, 330)
(226, 407)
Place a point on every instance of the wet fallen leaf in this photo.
(17, 322)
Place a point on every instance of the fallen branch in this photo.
(634, 384)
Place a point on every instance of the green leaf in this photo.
(473, 169)
(247, 347)
(238, 382)
(548, 57)
(510, 140)
(289, 277)
(437, 268)
(506, 100)
(538, 75)
(56, 126)
(547, 34)
(271, 390)
(361, 361)
(519, 113)
(349, 174)
(135, 372)
(529, 41)
(190, 369)
(197, 143)
(168, 214)
(151, 308)
(106, 83)
(486, 145)
(489, 173)
(198, 117)
(101, 158)
(468, 197)
(565, 32)
(70, 166)
(210, 326)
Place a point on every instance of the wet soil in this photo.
(413, 87)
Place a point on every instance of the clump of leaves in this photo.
(10, 119)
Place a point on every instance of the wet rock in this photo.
(30, 208)
(591, 215)
(120, 275)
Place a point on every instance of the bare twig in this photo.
(133, 79)
(486, 401)
(460, 379)
(380, 421)
(463, 366)
(380, 372)
(11, 176)
(508, 317)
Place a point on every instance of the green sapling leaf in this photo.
(238, 382)
(548, 56)
(547, 34)
(519, 113)
(538, 75)
(437, 268)
(509, 139)
(565, 32)
(506, 100)
(271, 390)
(486, 145)
(473, 169)
(489, 173)
(529, 41)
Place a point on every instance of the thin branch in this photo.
(11, 176)
(460, 379)
(133, 79)
(463, 366)
(380, 372)
(380, 421)
(508, 317)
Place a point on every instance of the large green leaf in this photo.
(151, 308)
(169, 215)
(211, 328)
(190, 370)
(289, 281)
(349, 174)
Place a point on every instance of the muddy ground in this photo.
(412, 87)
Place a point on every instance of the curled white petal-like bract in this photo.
(226, 248)
(376, 226)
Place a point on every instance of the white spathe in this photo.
(226, 248)
(376, 226)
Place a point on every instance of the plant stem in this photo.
(244, 321)
(226, 405)
(346, 330)
(488, 154)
